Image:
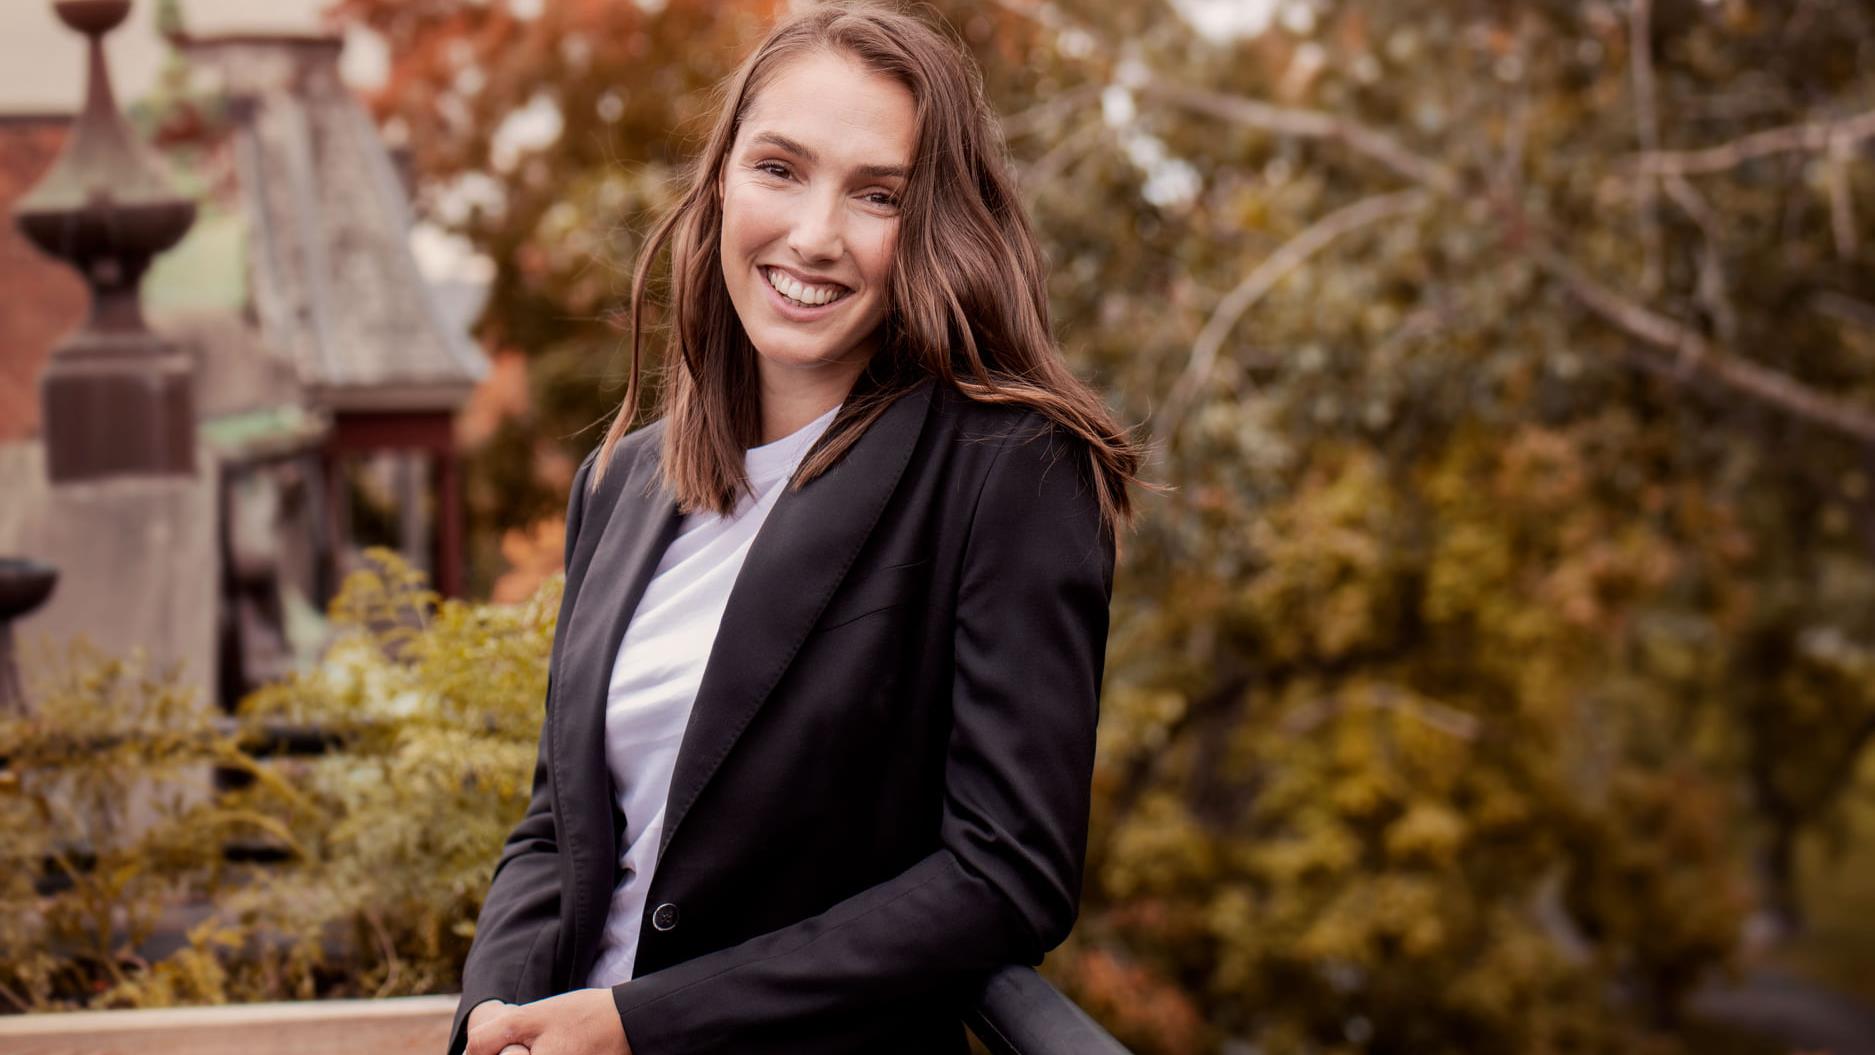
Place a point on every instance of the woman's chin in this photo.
(798, 355)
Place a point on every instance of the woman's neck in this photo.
(792, 398)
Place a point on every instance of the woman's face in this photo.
(810, 197)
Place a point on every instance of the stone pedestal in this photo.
(141, 387)
(136, 558)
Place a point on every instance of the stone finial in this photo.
(117, 399)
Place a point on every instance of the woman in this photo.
(834, 624)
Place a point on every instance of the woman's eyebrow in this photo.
(776, 139)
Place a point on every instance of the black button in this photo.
(664, 917)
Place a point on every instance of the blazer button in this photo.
(664, 917)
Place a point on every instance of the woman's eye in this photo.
(777, 170)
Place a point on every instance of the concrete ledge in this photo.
(418, 1024)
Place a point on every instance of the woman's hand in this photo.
(487, 1011)
(582, 1022)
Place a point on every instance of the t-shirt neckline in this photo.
(779, 457)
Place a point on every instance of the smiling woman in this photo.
(820, 722)
(810, 200)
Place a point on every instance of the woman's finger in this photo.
(498, 1036)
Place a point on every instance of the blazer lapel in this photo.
(637, 533)
(794, 564)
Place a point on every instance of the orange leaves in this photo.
(476, 64)
(501, 395)
(533, 555)
(1136, 1004)
(1533, 545)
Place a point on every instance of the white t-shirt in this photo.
(655, 678)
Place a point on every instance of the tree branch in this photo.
(1841, 204)
(1789, 139)
(1647, 131)
(1263, 278)
(1278, 120)
(1713, 290)
(1306, 124)
(1844, 308)
(1049, 113)
(1038, 174)
(1694, 352)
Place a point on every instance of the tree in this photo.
(1473, 365)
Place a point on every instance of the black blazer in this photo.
(882, 792)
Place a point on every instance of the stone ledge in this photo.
(305, 1027)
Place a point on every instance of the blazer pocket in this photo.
(867, 591)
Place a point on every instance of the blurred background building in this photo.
(323, 356)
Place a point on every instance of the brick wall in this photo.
(41, 300)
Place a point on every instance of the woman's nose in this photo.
(816, 233)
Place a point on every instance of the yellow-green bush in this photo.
(385, 842)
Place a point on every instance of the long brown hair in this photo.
(968, 297)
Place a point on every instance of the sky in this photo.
(1225, 19)
(42, 64)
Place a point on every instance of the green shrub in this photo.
(378, 852)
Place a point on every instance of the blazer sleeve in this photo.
(1004, 886)
(520, 914)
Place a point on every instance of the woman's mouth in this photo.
(799, 299)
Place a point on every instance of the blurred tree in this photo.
(1514, 378)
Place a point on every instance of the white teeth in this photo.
(808, 295)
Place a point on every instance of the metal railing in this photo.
(1019, 1013)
